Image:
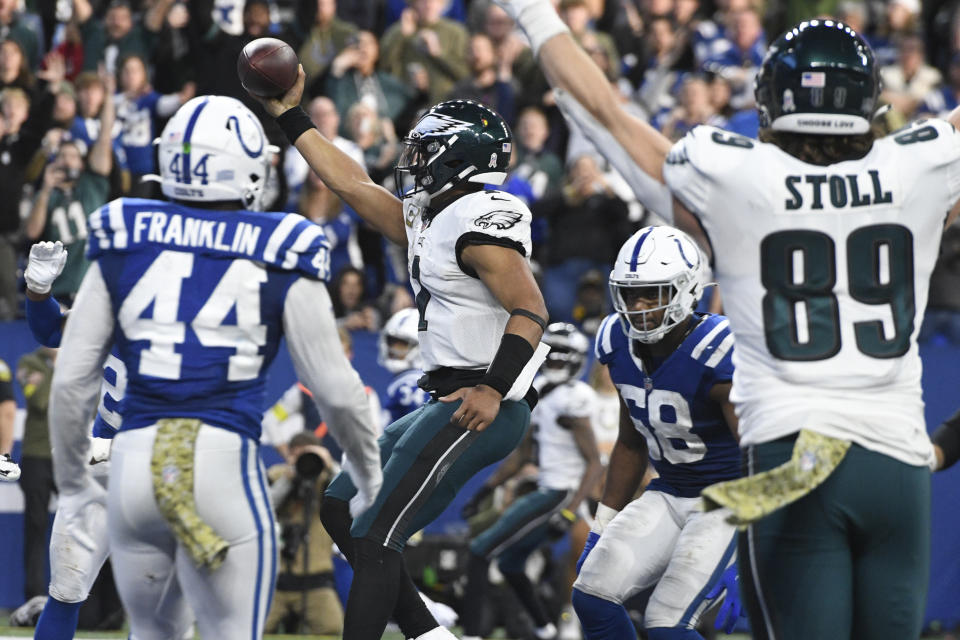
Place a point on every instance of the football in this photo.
(267, 67)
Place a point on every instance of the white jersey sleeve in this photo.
(493, 217)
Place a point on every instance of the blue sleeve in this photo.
(45, 321)
(604, 347)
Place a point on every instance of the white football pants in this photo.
(660, 539)
(156, 578)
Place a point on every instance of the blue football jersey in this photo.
(198, 296)
(109, 414)
(403, 394)
(690, 443)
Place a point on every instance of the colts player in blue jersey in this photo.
(399, 353)
(673, 372)
(78, 546)
(196, 293)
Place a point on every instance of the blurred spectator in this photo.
(119, 35)
(91, 92)
(34, 373)
(426, 49)
(24, 119)
(328, 36)
(322, 206)
(576, 14)
(945, 98)
(695, 108)
(305, 600)
(541, 168)
(14, 67)
(740, 61)
(354, 77)
(74, 185)
(943, 307)
(14, 27)
(709, 36)
(71, 50)
(586, 224)
(350, 305)
(324, 114)
(908, 82)
(174, 51)
(377, 138)
(590, 307)
(900, 20)
(138, 109)
(215, 51)
(487, 83)
(660, 80)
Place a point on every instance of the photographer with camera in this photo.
(305, 600)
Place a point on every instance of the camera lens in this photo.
(309, 465)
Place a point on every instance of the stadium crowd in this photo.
(72, 68)
(86, 86)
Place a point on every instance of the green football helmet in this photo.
(819, 77)
(455, 141)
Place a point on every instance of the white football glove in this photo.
(100, 450)
(9, 470)
(537, 18)
(45, 264)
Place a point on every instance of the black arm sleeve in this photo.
(947, 437)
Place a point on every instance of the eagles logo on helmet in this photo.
(456, 141)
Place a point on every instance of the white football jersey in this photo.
(561, 464)
(824, 272)
(461, 322)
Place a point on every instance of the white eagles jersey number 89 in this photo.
(824, 271)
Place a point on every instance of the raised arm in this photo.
(568, 67)
(377, 206)
(324, 370)
(75, 390)
(586, 442)
(101, 153)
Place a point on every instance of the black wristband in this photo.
(293, 122)
(530, 315)
(512, 356)
(947, 437)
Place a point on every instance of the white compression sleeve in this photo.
(537, 18)
(651, 193)
(323, 368)
(75, 390)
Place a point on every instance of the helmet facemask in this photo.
(667, 305)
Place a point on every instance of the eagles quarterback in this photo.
(195, 294)
(481, 316)
(672, 368)
(569, 469)
(823, 235)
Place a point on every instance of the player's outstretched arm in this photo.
(946, 443)
(628, 464)
(720, 393)
(507, 275)
(44, 316)
(75, 389)
(324, 370)
(586, 443)
(568, 67)
(380, 208)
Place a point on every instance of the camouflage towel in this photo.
(814, 458)
(171, 466)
